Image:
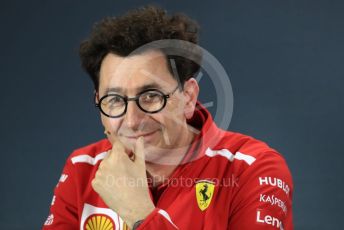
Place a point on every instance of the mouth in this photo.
(145, 135)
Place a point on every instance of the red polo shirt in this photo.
(226, 180)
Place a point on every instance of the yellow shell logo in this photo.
(204, 193)
(99, 222)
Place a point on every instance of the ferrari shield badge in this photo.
(204, 193)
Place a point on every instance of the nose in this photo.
(134, 116)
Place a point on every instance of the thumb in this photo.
(139, 151)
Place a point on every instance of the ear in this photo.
(96, 97)
(191, 91)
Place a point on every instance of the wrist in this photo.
(140, 215)
(137, 224)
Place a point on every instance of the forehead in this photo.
(134, 72)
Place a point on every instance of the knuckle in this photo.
(101, 165)
(94, 184)
(98, 174)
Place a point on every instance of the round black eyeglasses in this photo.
(150, 101)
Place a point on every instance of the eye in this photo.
(115, 101)
(150, 97)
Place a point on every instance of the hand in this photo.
(122, 183)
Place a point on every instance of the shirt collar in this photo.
(208, 136)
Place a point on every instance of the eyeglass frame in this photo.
(126, 99)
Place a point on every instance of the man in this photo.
(164, 163)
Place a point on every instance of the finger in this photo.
(108, 153)
(139, 151)
(121, 150)
(95, 185)
(117, 148)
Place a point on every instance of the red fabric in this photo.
(253, 186)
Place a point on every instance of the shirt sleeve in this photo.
(63, 210)
(263, 198)
(158, 219)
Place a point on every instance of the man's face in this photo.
(128, 76)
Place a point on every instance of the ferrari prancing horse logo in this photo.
(204, 193)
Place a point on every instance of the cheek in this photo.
(171, 126)
(175, 108)
(110, 124)
(174, 117)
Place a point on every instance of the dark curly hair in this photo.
(123, 35)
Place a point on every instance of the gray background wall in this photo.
(285, 59)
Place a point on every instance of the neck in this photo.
(157, 172)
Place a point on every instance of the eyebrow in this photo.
(121, 90)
